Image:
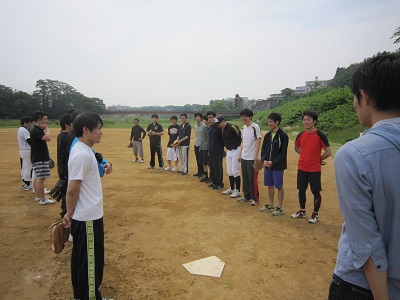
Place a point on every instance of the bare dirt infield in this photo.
(155, 221)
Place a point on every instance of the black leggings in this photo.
(317, 200)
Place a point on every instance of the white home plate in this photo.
(209, 266)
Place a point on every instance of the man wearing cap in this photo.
(155, 131)
(231, 137)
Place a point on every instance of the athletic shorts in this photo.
(42, 169)
(204, 158)
(172, 153)
(304, 178)
(273, 178)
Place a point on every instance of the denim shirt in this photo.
(368, 183)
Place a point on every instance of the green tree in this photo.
(396, 36)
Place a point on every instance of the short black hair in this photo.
(74, 114)
(275, 117)
(65, 120)
(183, 115)
(136, 119)
(38, 114)
(88, 120)
(26, 119)
(246, 113)
(154, 116)
(310, 113)
(198, 114)
(379, 78)
(174, 117)
(211, 113)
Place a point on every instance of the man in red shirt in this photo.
(309, 144)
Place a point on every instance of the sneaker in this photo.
(299, 214)
(150, 167)
(195, 175)
(173, 169)
(228, 191)
(314, 218)
(167, 169)
(208, 180)
(217, 187)
(200, 176)
(243, 199)
(135, 160)
(46, 201)
(184, 173)
(37, 198)
(204, 179)
(161, 168)
(46, 191)
(254, 203)
(141, 161)
(279, 211)
(26, 187)
(211, 185)
(235, 194)
(267, 207)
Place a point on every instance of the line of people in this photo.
(216, 139)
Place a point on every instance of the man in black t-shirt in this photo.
(172, 149)
(40, 135)
(137, 136)
(184, 141)
(155, 131)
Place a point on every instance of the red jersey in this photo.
(311, 145)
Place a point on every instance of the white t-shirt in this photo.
(249, 136)
(22, 135)
(82, 165)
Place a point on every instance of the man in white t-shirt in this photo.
(24, 142)
(249, 152)
(85, 209)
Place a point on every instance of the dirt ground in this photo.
(155, 221)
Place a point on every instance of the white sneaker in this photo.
(173, 169)
(228, 191)
(46, 201)
(37, 198)
(141, 161)
(46, 191)
(254, 203)
(26, 187)
(167, 169)
(235, 194)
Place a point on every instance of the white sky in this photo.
(160, 52)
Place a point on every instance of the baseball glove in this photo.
(130, 145)
(59, 190)
(258, 165)
(59, 236)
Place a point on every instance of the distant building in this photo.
(315, 84)
(300, 90)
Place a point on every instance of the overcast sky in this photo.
(184, 51)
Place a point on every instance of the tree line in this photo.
(52, 96)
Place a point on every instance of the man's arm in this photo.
(377, 280)
(258, 143)
(297, 149)
(325, 155)
(74, 187)
(47, 135)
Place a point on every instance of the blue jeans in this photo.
(343, 290)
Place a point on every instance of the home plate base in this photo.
(210, 266)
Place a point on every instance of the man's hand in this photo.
(107, 168)
(67, 220)
(267, 163)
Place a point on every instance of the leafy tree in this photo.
(287, 92)
(396, 35)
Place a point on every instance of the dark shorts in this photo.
(340, 289)
(273, 178)
(312, 178)
(204, 159)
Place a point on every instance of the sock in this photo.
(232, 182)
(237, 182)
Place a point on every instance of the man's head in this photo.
(211, 116)
(220, 121)
(88, 126)
(135, 121)
(65, 122)
(246, 115)
(183, 118)
(40, 117)
(26, 121)
(174, 120)
(154, 118)
(310, 119)
(198, 117)
(376, 87)
(205, 120)
(274, 120)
